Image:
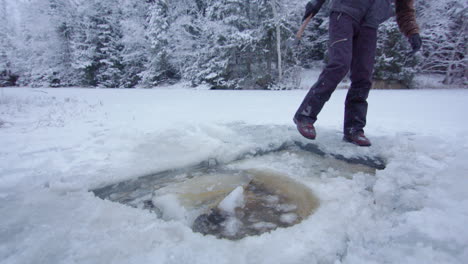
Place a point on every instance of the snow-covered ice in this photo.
(57, 144)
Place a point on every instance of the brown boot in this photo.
(306, 129)
(357, 138)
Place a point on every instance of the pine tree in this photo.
(136, 46)
(232, 44)
(218, 55)
(242, 45)
(36, 44)
(393, 64)
(159, 68)
(61, 12)
(97, 45)
(7, 77)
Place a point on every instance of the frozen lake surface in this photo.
(58, 144)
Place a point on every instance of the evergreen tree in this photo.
(393, 62)
(7, 77)
(62, 16)
(159, 67)
(36, 44)
(136, 46)
(219, 56)
(97, 45)
(233, 44)
(242, 49)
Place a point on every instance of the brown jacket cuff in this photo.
(406, 17)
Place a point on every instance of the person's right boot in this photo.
(357, 138)
(306, 129)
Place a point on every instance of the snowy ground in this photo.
(56, 144)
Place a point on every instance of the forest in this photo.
(224, 44)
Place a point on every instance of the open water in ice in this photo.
(267, 199)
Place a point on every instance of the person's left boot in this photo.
(305, 128)
(357, 138)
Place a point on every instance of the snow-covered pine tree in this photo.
(36, 43)
(136, 46)
(280, 26)
(159, 65)
(97, 44)
(224, 43)
(393, 63)
(239, 44)
(108, 45)
(219, 55)
(61, 13)
(7, 77)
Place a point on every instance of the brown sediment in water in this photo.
(272, 200)
(288, 189)
(204, 191)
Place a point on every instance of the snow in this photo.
(57, 144)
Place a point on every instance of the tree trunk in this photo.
(270, 50)
(278, 40)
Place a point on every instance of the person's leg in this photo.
(362, 66)
(341, 30)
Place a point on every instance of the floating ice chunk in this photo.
(232, 226)
(272, 199)
(288, 218)
(170, 207)
(264, 225)
(234, 200)
(286, 207)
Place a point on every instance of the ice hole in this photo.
(240, 198)
(238, 203)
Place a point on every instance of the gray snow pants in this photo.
(351, 46)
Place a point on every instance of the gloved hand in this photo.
(312, 7)
(309, 9)
(416, 42)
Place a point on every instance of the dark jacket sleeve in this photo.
(406, 17)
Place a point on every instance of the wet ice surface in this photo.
(248, 196)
